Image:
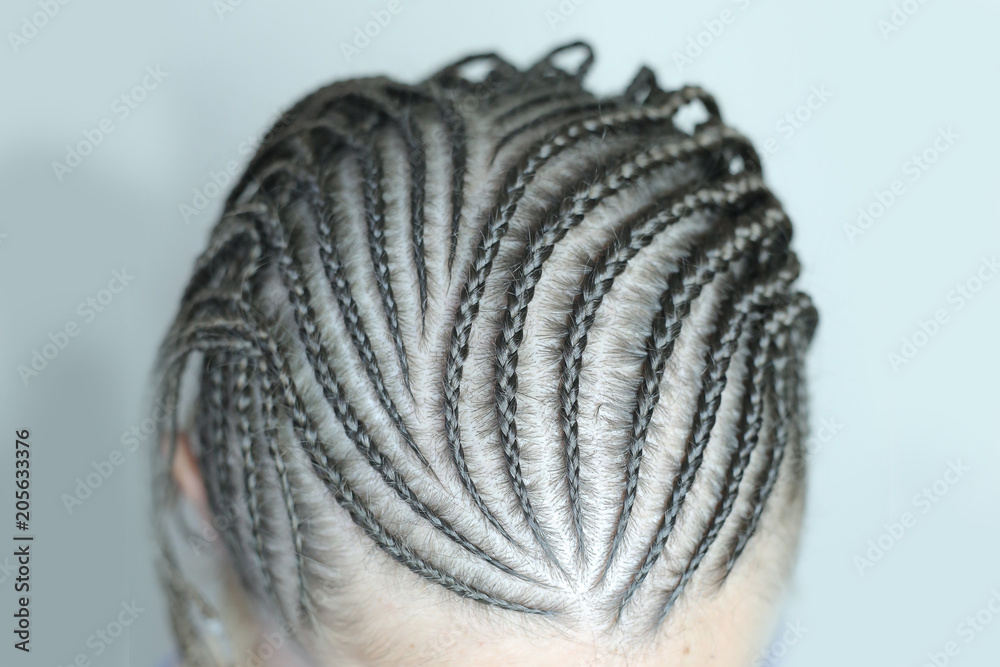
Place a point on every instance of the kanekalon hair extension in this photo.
(543, 349)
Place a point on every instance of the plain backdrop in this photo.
(887, 83)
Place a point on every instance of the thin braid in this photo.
(518, 179)
(243, 537)
(455, 128)
(459, 159)
(418, 189)
(748, 525)
(287, 493)
(326, 221)
(506, 406)
(759, 376)
(573, 94)
(718, 356)
(417, 162)
(215, 447)
(684, 286)
(241, 398)
(375, 215)
(570, 112)
(541, 243)
(329, 473)
(355, 429)
(266, 397)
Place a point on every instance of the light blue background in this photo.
(229, 73)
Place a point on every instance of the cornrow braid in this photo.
(684, 287)
(760, 378)
(718, 356)
(413, 137)
(540, 245)
(455, 128)
(375, 213)
(447, 312)
(241, 400)
(329, 256)
(299, 298)
(748, 524)
(330, 473)
(498, 219)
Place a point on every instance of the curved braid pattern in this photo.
(764, 354)
(799, 331)
(498, 220)
(541, 243)
(416, 305)
(357, 432)
(412, 136)
(329, 255)
(685, 285)
(330, 473)
(735, 316)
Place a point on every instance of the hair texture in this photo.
(542, 348)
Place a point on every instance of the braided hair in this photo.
(541, 348)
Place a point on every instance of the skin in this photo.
(403, 626)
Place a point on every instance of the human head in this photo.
(493, 372)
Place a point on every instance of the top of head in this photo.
(498, 342)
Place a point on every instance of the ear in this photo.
(186, 474)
